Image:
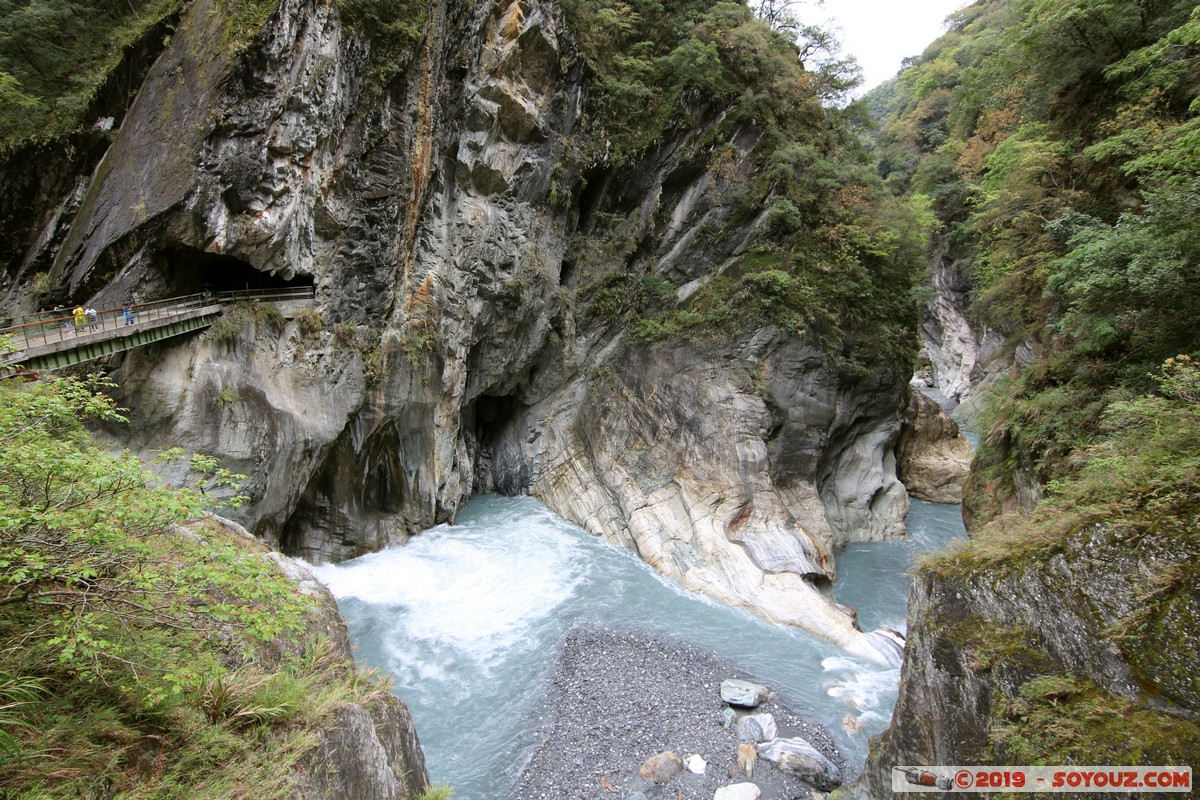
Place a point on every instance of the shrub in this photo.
(346, 335)
(41, 284)
(226, 396)
(168, 660)
(239, 316)
(309, 321)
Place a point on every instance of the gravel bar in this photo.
(619, 697)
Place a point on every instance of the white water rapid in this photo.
(468, 619)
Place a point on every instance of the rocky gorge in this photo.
(496, 276)
(647, 264)
(459, 229)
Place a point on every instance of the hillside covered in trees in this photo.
(640, 260)
(1058, 144)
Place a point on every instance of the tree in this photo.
(818, 48)
(94, 571)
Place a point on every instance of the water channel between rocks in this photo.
(469, 618)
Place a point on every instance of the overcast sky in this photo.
(879, 33)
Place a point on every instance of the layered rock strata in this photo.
(933, 457)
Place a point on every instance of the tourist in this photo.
(127, 310)
(80, 319)
(90, 311)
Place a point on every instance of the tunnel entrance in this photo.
(191, 270)
(492, 429)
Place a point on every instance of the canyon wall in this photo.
(441, 215)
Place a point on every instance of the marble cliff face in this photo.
(439, 220)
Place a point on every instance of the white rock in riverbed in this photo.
(745, 694)
(738, 791)
(696, 764)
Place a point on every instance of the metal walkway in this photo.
(50, 341)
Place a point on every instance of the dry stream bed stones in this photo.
(621, 703)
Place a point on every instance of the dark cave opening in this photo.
(491, 425)
(594, 184)
(354, 488)
(193, 271)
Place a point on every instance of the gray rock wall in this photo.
(977, 635)
(444, 220)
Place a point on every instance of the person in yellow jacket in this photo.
(80, 319)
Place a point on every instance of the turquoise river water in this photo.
(468, 619)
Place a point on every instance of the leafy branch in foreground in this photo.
(90, 547)
(150, 650)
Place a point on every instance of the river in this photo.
(467, 618)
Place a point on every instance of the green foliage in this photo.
(1127, 290)
(225, 397)
(1180, 379)
(1063, 719)
(850, 253)
(309, 321)
(148, 650)
(1128, 497)
(439, 792)
(238, 317)
(40, 284)
(244, 20)
(346, 335)
(374, 361)
(14, 693)
(1140, 475)
(1001, 105)
(1059, 145)
(393, 27)
(609, 296)
(54, 55)
(219, 485)
(656, 66)
(418, 340)
(86, 538)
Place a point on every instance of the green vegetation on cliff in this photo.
(1116, 548)
(830, 254)
(56, 55)
(149, 651)
(1058, 141)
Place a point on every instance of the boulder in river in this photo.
(797, 757)
(932, 456)
(744, 694)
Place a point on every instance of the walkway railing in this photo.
(37, 335)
